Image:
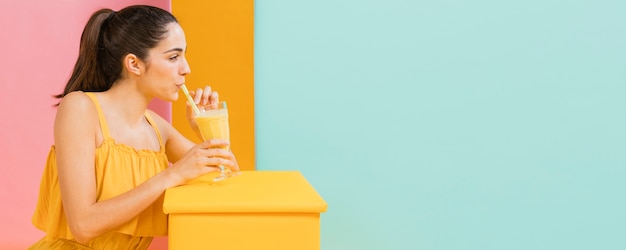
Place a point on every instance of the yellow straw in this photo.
(190, 100)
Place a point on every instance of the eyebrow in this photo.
(174, 49)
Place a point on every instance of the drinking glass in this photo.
(213, 124)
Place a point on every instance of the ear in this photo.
(133, 64)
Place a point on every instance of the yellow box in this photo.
(256, 210)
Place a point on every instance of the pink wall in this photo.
(39, 44)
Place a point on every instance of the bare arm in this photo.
(76, 133)
(76, 129)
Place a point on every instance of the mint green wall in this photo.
(449, 124)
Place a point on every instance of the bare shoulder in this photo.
(76, 116)
(76, 101)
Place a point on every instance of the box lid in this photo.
(250, 192)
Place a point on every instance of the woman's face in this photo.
(166, 65)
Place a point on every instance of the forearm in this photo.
(104, 216)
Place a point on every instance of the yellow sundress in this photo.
(119, 168)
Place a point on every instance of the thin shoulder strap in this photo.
(154, 126)
(103, 123)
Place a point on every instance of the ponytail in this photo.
(87, 75)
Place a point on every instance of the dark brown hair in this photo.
(108, 37)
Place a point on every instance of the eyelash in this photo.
(173, 58)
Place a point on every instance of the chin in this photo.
(169, 98)
(173, 97)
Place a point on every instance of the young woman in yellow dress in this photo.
(112, 158)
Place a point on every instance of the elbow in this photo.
(82, 239)
(81, 233)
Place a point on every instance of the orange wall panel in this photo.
(220, 52)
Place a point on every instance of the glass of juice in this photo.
(213, 124)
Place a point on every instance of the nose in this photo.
(185, 69)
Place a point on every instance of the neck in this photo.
(127, 101)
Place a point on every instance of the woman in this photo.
(106, 174)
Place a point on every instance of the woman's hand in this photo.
(202, 159)
(204, 99)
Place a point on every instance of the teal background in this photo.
(449, 124)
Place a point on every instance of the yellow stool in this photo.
(255, 210)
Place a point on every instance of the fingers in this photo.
(215, 148)
(206, 94)
(214, 98)
(204, 158)
(216, 157)
(214, 143)
(204, 97)
(217, 161)
(197, 96)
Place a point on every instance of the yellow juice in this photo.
(213, 124)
